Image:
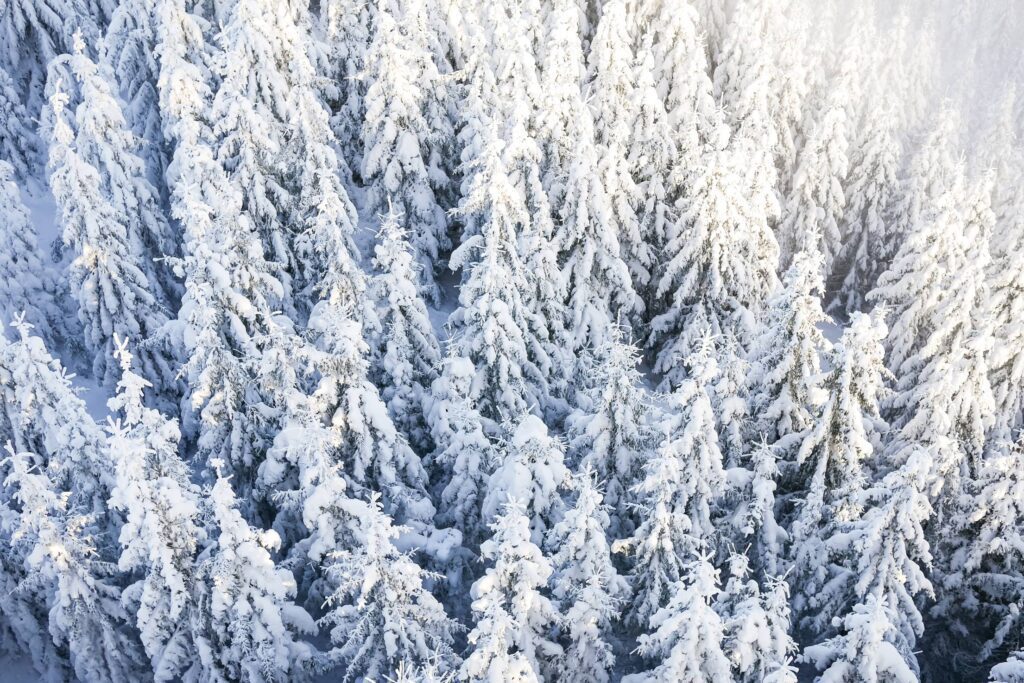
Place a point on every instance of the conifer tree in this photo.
(395, 134)
(886, 553)
(744, 76)
(871, 188)
(720, 270)
(509, 641)
(345, 25)
(495, 329)
(225, 318)
(586, 585)
(686, 635)
(251, 629)
(380, 615)
(679, 486)
(161, 535)
(46, 417)
(128, 49)
(407, 352)
(463, 453)
(863, 652)
(990, 561)
(753, 517)
(755, 626)
(19, 144)
(1007, 267)
(34, 33)
(785, 360)
(614, 430)
(562, 72)
(652, 156)
(85, 615)
(26, 285)
(112, 283)
(532, 471)
(815, 204)
(835, 458)
(611, 86)
(596, 276)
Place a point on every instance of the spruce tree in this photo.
(613, 431)
(380, 615)
(509, 640)
(107, 218)
(785, 360)
(162, 533)
(720, 270)
(81, 591)
(532, 471)
(835, 460)
(464, 454)
(395, 136)
(251, 630)
(680, 484)
(686, 635)
(586, 585)
(407, 352)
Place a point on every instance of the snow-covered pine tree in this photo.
(835, 459)
(864, 651)
(251, 630)
(226, 319)
(815, 203)
(720, 270)
(730, 398)
(494, 327)
(395, 137)
(104, 140)
(510, 639)
(753, 514)
(756, 638)
(562, 72)
(943, 396)
(464, 455)
(346, 26)
(26, 285)
(111, 272)
(46, 417)
(1006, 275)
(248, 115)
(380, 615)
(612, 431)
(531, 471)
(680, 483)
(322, 218)
(686, 635)
(407, 353)
(884, 554)
(162, 532)
(744, 76)
(586, 585)
(681, 74)
(375, 456)
(871, 189)
(128, 48)
(19, 144)
(784, 382)
(598, 288)
(53, 539)
(34, 33)
(652, 159)
(991, 559)
(611, 83)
